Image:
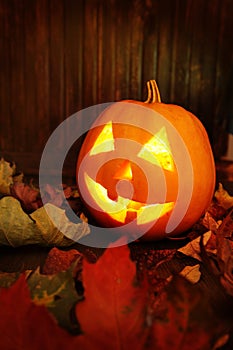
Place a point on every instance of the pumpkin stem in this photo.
(153, 94)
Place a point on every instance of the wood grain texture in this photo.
(58, 57)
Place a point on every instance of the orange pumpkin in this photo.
(148, 164)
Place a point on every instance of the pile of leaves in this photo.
(23, 218)
(172, 295)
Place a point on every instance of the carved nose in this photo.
(125, 172)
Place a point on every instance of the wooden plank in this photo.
(209, 49)
(90, 52)
(174, 53)
(181, 53)
(56, 63)
(17, 92)
(197, 13)
(30, 117)
(122, 58)
(136, 49)
(107, 51)
(6, 122)
(42, 73)
(150, 44)
(165, 31)
(224, 53)
(74, 63)
(73, 52)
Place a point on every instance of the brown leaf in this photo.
(17, 228)
(210, 223)
(223, 197)
(225, 252)
(193, 248)
(55, 194)
(188, 321)
(27, 195)
(59, 260)
(6, 172)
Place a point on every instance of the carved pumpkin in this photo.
(146, 163)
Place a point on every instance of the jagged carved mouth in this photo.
(123, 209)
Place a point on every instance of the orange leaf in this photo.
(113, 314)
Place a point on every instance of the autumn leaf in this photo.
(193, 249)
(17, 228)
(8, 278)
(25, 325)
(59, 260)
(223, 197)
(113, 314)
(55, 194)
(224, 239)
(27, 195)
(191, 273)
(6, 172)
(58, 293)
(188, 320)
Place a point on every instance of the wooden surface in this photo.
(60, 56)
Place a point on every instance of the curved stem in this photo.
(153, 94)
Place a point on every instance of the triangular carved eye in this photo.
(157, 151)
(105, 141)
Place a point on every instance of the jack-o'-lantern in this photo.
(147, 163)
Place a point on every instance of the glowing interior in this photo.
(122, 207)
(157, 151)
(125, 171)
(105, 141)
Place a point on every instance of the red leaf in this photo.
(112, 316)
(26, 326)
(27, 195)
(59, 260)
(187, 322)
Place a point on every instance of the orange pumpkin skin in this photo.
(198, 146)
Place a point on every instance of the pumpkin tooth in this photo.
(150, 213)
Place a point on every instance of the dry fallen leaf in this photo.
(188, 320)
(224, 241)
(17, 228)
(193, 248)
(59, 260)
(25, 325)
(191, 273)
(210, 223)
(223, 197)
(27, 195)
(6, 172)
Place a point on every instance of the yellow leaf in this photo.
(6, 173)
(223, 197)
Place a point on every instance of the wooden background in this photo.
(59, 56)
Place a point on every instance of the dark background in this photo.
(59, 56)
